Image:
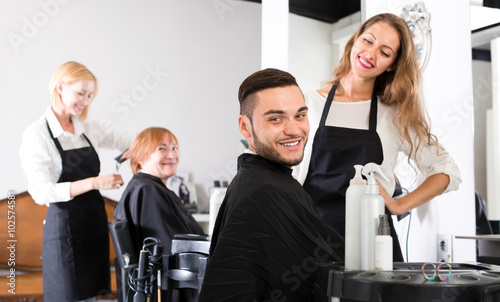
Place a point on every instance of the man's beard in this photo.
(272, 154)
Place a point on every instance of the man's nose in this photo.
(292, 128)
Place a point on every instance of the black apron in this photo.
(75, 253)
(335, 151)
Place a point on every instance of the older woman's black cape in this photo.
(267, 238)
(153, 210)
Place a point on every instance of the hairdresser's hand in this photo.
(107, 182)
(392, 205)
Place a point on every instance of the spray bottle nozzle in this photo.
(369, 171)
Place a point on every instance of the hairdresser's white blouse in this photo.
(355, 115)
(41, 161)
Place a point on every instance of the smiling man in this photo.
(268, 236)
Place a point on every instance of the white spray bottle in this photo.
(353, 195)
(372, 206)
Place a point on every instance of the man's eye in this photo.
(275, 119)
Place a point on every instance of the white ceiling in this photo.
(482, 17)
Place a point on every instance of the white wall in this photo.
(481, 71)
(448, 97)
(313, 52)
(310, 52)
(201, 51)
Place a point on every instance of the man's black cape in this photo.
(152, 210)
(267, 238)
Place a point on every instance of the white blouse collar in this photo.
(56, 128)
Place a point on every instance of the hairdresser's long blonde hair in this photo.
(68, 73)
(400, 87)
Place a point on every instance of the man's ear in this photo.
(245, 126)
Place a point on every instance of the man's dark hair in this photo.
(258, 81)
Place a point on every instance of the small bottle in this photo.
(372, 206)
(353, 195)
(383, 245)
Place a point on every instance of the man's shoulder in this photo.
(263, 172)
(254, 180)
(246, 191)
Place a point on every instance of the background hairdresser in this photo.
(60, 160)
(370, 112)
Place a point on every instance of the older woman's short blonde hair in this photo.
(146, 143)
(68, 73)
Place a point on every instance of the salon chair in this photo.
(483, 226)
(184, 268)
(126, 256)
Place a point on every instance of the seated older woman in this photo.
(151, 209)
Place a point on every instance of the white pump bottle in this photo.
(383, 245)
(372, 206)
(353, 195)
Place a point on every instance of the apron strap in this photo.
(56, 141)
(328, 104)
(372, 126)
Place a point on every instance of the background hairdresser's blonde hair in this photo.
(146, 143)
(68, 73)
(400, 87)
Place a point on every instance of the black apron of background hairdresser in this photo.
(335, 151)
(75, 254)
